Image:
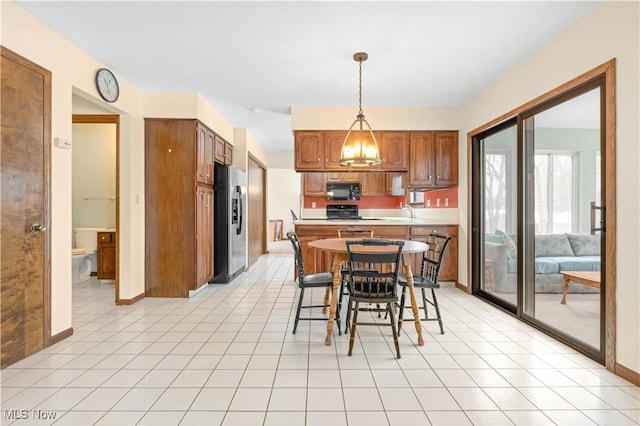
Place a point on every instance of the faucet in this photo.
(411, 210)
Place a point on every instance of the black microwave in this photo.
(343, 191)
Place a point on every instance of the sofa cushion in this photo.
(548, 245)
(494, 238)
(512, 249)
(544, 265)
(584, 244)
(574, 263)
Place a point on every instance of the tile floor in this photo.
(227, 356)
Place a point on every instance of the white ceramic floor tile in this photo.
(367, 418)
(326, 418)
(250, 399)
(278, 418)
(239, 418)
(528, 418)
(436, 399)
(325, 399)
(489, 418)
(139, 399)
(121, 418)
(568, 417)
(258, 379)
(288, 399)
(453, 418)
(161, 418)
(176, 399)
(80, 418)
(214, 399)
(199, 418)
(101, 399)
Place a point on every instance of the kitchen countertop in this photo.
(373, 221)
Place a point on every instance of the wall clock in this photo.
(107, 85)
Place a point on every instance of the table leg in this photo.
(406, 261)
(336, 263)
(565, 289)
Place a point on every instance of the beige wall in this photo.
(73, 91)
(283, 189)
(610, 31)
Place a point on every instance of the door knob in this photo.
(36, 227)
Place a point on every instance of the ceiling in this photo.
(253, 61)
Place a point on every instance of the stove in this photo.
(342, 212)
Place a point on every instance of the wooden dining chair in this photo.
(373, 266)
(428, 279)
(349, 233)
(305, 281)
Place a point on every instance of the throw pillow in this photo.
(493, 238)
(584, 244)
(552, 245)
(512, 248)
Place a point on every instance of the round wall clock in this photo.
(107, 85)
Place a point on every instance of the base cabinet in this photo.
(178, 210)
(106, 256)
(320, 261)
(449, 268)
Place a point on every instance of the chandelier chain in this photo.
(360, 87)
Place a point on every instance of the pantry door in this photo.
(25, 152)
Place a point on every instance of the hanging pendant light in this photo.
(360, 148)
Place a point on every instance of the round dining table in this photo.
(338, 249)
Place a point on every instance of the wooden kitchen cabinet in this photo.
(223, 152)
(314, 184)
(394, 150)
(177, 230)
(204, 154)
(204, 233)
(333, 141)
(106, 256)
(434, 159)
(374, 184)
(309, 150)
(449, 268)
(320, 261)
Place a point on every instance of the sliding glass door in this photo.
(563, 273)
(537, 216)
(497, 152)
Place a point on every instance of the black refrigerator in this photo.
(230, 223)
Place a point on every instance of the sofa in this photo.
(554, 254)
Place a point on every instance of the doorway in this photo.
(25, 287)
(95, 192)
(542, 208)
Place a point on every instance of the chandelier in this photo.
(360, 148)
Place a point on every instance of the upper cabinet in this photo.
(431, 158)
(434, 159)
(204, 153)
(223, 152)
(309, 151)
(394, 150)
(333, 141)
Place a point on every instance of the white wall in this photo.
(94, 175)
(610, 31)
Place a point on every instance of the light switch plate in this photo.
(62, 143)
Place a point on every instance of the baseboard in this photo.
(462, 287)
(61, 336)
(627, 374)
(130, 301)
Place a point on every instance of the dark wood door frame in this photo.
(109, 119)
(44, 79)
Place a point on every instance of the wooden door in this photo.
(394, 150)
(446, 158)
(333, 142)
(309, 150)
(228, 153)
(256, 206)
(25, 157)
(421, 173)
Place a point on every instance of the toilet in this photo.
(83, 255)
